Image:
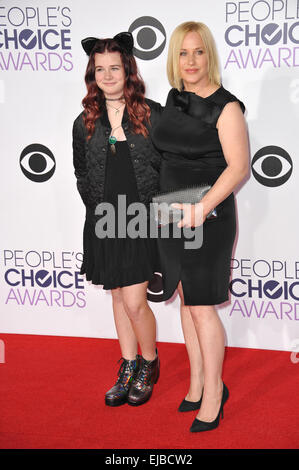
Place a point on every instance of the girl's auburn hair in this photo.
(134, 90)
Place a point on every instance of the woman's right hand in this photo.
(193, 214)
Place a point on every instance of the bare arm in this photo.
(233, 137)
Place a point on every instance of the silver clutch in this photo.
(166, 214)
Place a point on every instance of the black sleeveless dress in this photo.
(119, 261)
(192, 154)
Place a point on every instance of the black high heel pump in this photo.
(198, 425)
(187, 405)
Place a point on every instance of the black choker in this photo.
(114, 99)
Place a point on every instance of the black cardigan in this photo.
(89, 158)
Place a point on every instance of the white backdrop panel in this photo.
(42, 69)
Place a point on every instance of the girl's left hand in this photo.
(192, 214)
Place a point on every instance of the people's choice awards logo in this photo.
(272, 166)
(149, 37)
(37, 162)
(265, 289)
(35, 38)
(43, 278)
(262, 33)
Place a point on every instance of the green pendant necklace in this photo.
(112, 140)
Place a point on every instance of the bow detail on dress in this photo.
(204, 109)
(181, 99)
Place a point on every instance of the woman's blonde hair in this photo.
(175, 44)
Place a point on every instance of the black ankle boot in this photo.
(118, 394)
(143, 384)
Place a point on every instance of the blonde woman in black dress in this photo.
(203, 137)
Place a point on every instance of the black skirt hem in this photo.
(193, 303)
(118, 284)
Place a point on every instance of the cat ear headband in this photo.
(125, 40)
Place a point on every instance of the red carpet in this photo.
(52, 397)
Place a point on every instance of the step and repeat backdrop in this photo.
(42, 68)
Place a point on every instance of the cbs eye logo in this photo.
(155, 288)
(37, 163)
(272, 166)
(149, 34)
